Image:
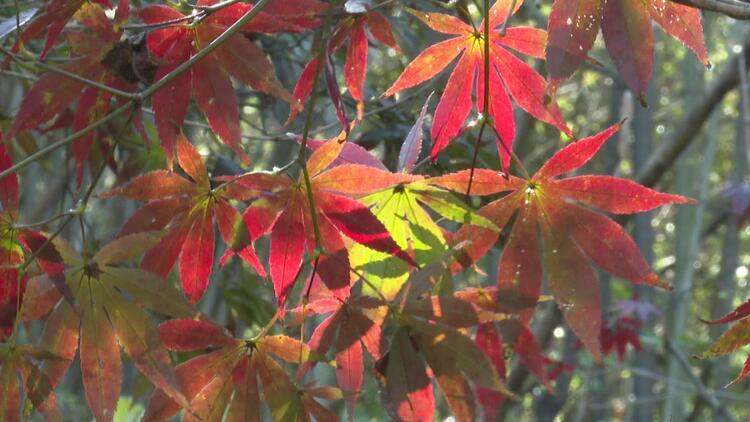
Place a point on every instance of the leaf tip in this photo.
(685, 200)
(642, 99)
(654, 280)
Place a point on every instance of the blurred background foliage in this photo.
(703, 250)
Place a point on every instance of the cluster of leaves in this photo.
(628, 35)
(349, 241)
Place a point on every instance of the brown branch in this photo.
(146, 93)
(734, 9)
(693, 120)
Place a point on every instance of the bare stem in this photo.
(146, 93)
(320, 48)
(26, 62)
(485, 94)
(213, 45)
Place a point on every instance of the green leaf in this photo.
(412, 229)
(449, 206)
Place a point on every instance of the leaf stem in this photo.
(44, 222)
(485, 94)
(320, 46)
(507, 18)
(475, 155)
(513, 156)
(361, 275)
(158, 25)
(78, 211)
(26, 62)
(146, 93)
(213, 45)
(49, 148)
(204, 12)
(267, 327)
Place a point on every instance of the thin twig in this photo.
(320, 46)
(486, 94)
(146, 93)
(25, 62)
(703, 391)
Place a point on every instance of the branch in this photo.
(734, 9)
(65, 141)
(703, 391)
(693, 120)
(146, 93)
(213, 45)
(25, 62)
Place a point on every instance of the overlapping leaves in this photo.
(53, 93)
(288, 216)
(509, 76)
(628, 35)
(573, 236)
(209, 79)
(354, 221)
(736, 337)
(351, 28)
(98, 319)
(187, 207)
(238, 376)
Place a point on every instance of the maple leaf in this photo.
(403, 211)
(454, 361)
(25, 360)
(352, 28)
(52, 18)
(53, 92)
(209, 79)
(621, 332)
(430, 336)
(489, 340)
(209, 380)
(509, 76)
(11, 252)
(406, 379)
(353, 322)
(737, 336)
(15, 243)
(191, 205)
(573, 236)
(286, 214)
(101, 320)
(628, 36)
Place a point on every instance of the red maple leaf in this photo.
(617, 335)
(191, 205)
(733, 339)
(209, 79)
(492, 339)
(286, 214)
(628, 36)
(241, 367)
(351, 28)
(25, 360)
(15, 243)
(352, 323)
(52, 18)
(53, 93)
(509, 76)
(573, 236)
